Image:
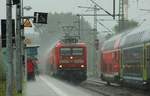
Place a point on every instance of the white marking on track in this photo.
(58, 91)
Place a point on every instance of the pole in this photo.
(95, 18)
(79, 27)
(9, 73)
(24, 58)
(18, 49)
(94, 40)
(121, 14)
(114, 8)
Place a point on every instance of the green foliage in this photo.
(128, 24)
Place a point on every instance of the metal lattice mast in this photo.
(79, 26)
(95, 18)
(94, 39)
(121, 10)
(126, 9)
(121, 14)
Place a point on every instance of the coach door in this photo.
(148, 60)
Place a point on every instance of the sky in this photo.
(71, 6)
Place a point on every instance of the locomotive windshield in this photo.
(77, 51)
(65, 51)
(71, 51)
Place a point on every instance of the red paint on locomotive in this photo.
(68, 58)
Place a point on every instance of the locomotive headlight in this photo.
(144, 83)
(60, 66)
(71, 57)
(82, 66)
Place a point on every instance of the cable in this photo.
(101, 8)
(105, 26)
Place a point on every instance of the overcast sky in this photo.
(71, 6)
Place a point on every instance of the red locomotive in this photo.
(69, 60)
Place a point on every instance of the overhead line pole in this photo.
(23, 59)
(9, 72)
(114, 8)
(79, 27)
(95, 18)
(121, 14)
(18, 49)
(95, 38)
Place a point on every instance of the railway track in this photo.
(93, 86)
(102, 88)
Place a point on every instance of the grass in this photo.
(3, 85)
(3, 80)
(3, 89)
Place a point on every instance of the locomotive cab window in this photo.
(65, 51)
(77, 51)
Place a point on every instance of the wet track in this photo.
(113, 89)
(47, 86)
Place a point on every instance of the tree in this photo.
(128, 24)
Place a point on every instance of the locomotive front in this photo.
(72, 61)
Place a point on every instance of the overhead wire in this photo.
(109, 30)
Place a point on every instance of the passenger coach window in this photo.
(77, 51)
(65, 51)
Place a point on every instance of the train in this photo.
(125, 58)
(68, 61)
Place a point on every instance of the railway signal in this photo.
(15, 2)
(40, 17)
(3, 30)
